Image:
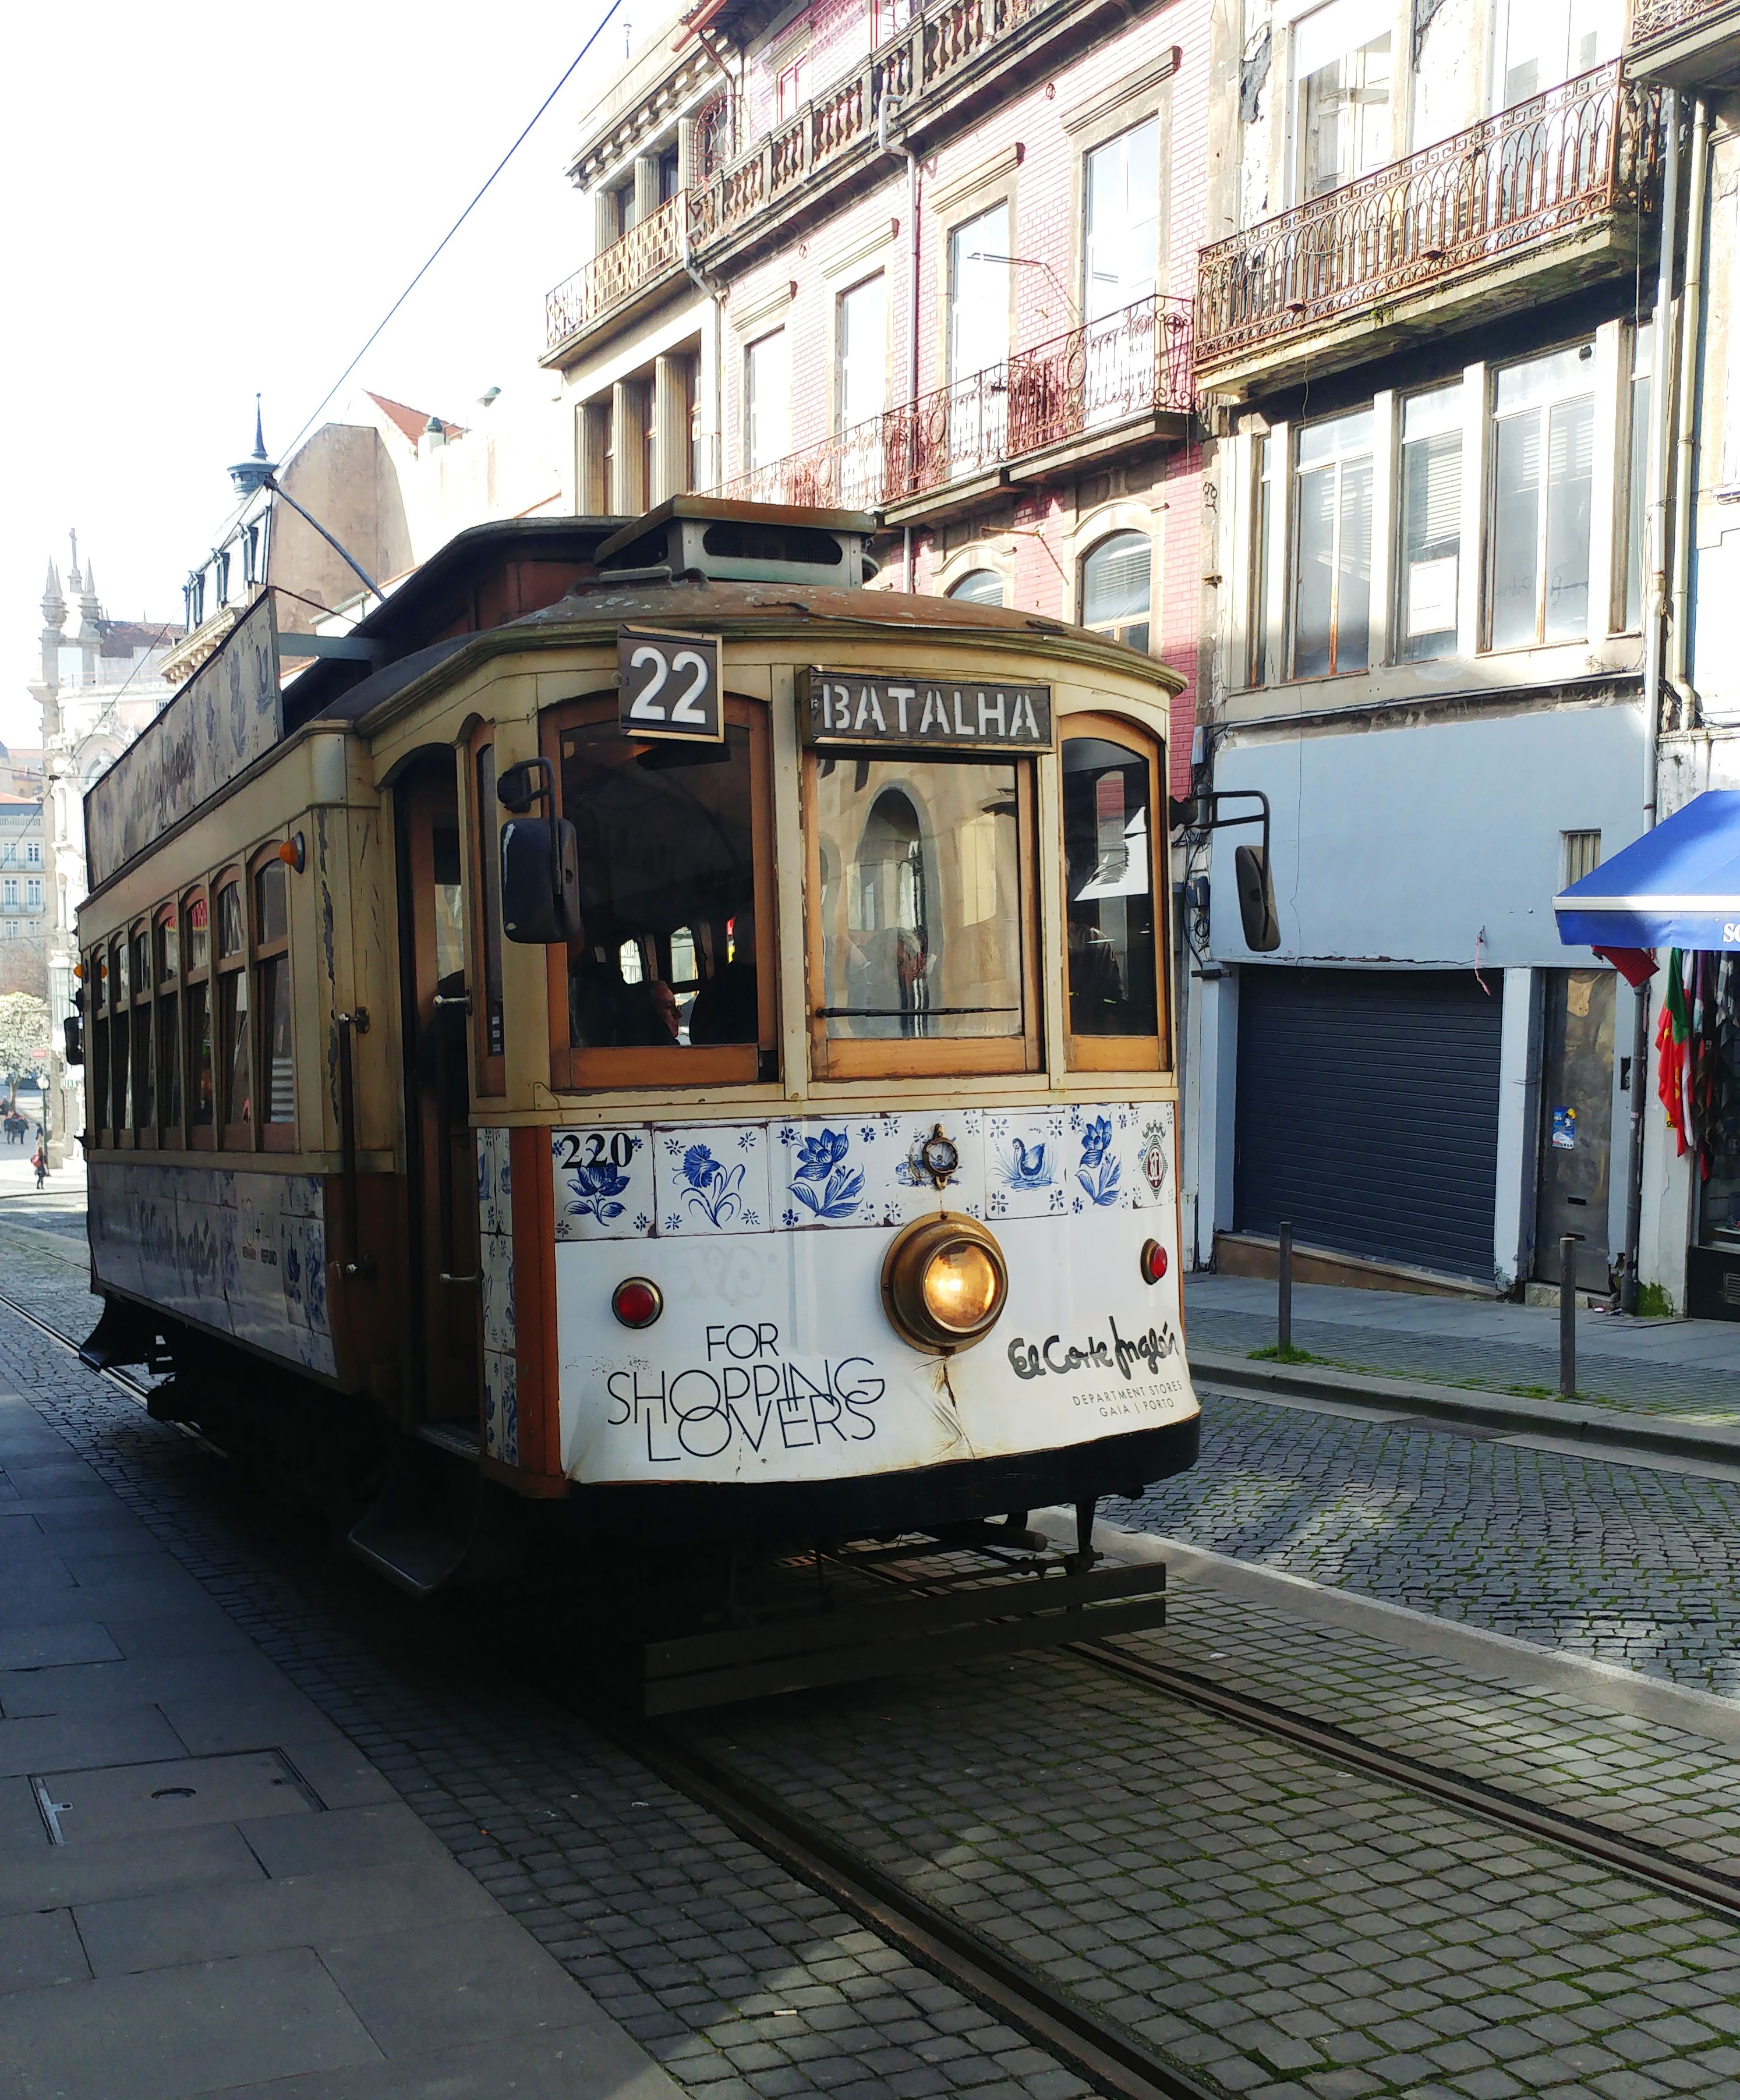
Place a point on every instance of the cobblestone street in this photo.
(1267, 1922)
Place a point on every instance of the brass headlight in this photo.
(944, 1283)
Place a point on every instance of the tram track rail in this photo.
(1108, 2056)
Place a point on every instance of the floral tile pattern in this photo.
(907, 1190)
(825, 1173)
(501, 1407)
(603, 1183)
(711, 1179)
(1027, 1163)
(495, 1183)
(1152, 1156)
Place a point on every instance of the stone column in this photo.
(592, 458)
(645, 186)
(605, 229)
(685, 153)
(672, 407)
(628, 477)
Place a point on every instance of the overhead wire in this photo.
(601, 24)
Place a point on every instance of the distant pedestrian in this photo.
(39, 1161)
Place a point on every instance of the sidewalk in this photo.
(205, 1886)
(1688, 1369)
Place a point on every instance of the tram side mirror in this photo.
(1255, 888)
(540, 880)
(73, 1030)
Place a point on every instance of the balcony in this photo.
(1109, 386)
(951, 64)
(1530, 204)
(1684, 43)
(617, 282)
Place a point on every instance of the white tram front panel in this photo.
(774, 1360)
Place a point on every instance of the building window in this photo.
(1637, 474)
(861, 338)
(1116, 581)
(1341, 97)
(1580, 855)
(9, 893)
(1332, 596)
(1121, 232)
(668, 184)
(978, 268)
(33, 893)
(1429, 570)
(32, 853)
(767, 398)
(1542, 468)
(792, 86)
(1547, 41)
(11, 929)
(221, 571)
(979, 587)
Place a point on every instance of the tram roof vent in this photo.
(745, 543)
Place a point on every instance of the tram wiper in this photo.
(903, 1012)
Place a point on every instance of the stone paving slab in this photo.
(165, 1948)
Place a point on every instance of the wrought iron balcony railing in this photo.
(1560, 161)
(645, 252)
(1107, 372)
(1685, 41)
(933, 49)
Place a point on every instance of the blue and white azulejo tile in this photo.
(914, 1183)
(1100, 1173)
(1027, 1162)
(604, 1183)
(711, 1179)
(828, 1172)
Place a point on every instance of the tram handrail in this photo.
(445, 1135)
(350, 1024)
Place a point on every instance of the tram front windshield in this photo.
(920, 898)
(667, 888)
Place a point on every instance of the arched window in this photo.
(979, 587)
(1115, 581)
(888, 914)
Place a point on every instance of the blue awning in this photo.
(1677, 887)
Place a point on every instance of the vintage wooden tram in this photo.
(654, 1026)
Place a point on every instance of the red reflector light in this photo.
(637, 1302)
(1153, 1261)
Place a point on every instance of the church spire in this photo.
(54, 605)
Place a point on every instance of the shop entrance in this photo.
(1576, 1138)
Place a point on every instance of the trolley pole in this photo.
(1567, 1315)
(1284, 1288)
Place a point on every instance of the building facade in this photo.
(936, 265)
(99, 681)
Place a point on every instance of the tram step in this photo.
(438, 1524)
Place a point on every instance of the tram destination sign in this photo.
(669, 685)
(952, 714)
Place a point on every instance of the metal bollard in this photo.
(1284, 1283)
(1568, 1316)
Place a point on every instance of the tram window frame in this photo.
(120, 1043)
(236, 1135)
(653, 1068)
(847, 1057)
(199, 977)
(1123, 1053)
(96, 1072)
(273, 1134)
(142, 1023)
(168, 1003)
(484, 928)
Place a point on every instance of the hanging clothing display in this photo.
(1698, 1043)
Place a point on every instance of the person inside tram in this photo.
(727, 1008)
(1095, 981)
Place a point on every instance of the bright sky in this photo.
(202, 205)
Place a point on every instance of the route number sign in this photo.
(669, 685)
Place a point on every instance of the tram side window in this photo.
(271, 939)
(234, 1062)
(168, 1021)
(921, 912)
(667, 884)
(144, 1104)
(120, 1098)
(200, 1085)
(1113, 950)
(96, 1074)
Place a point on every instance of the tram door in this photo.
(439, 1147)
(1576, 1124)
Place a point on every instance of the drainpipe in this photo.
(1654, 617)
(885, 145)
(1686, 412)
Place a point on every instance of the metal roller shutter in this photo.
(1368, 1113)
